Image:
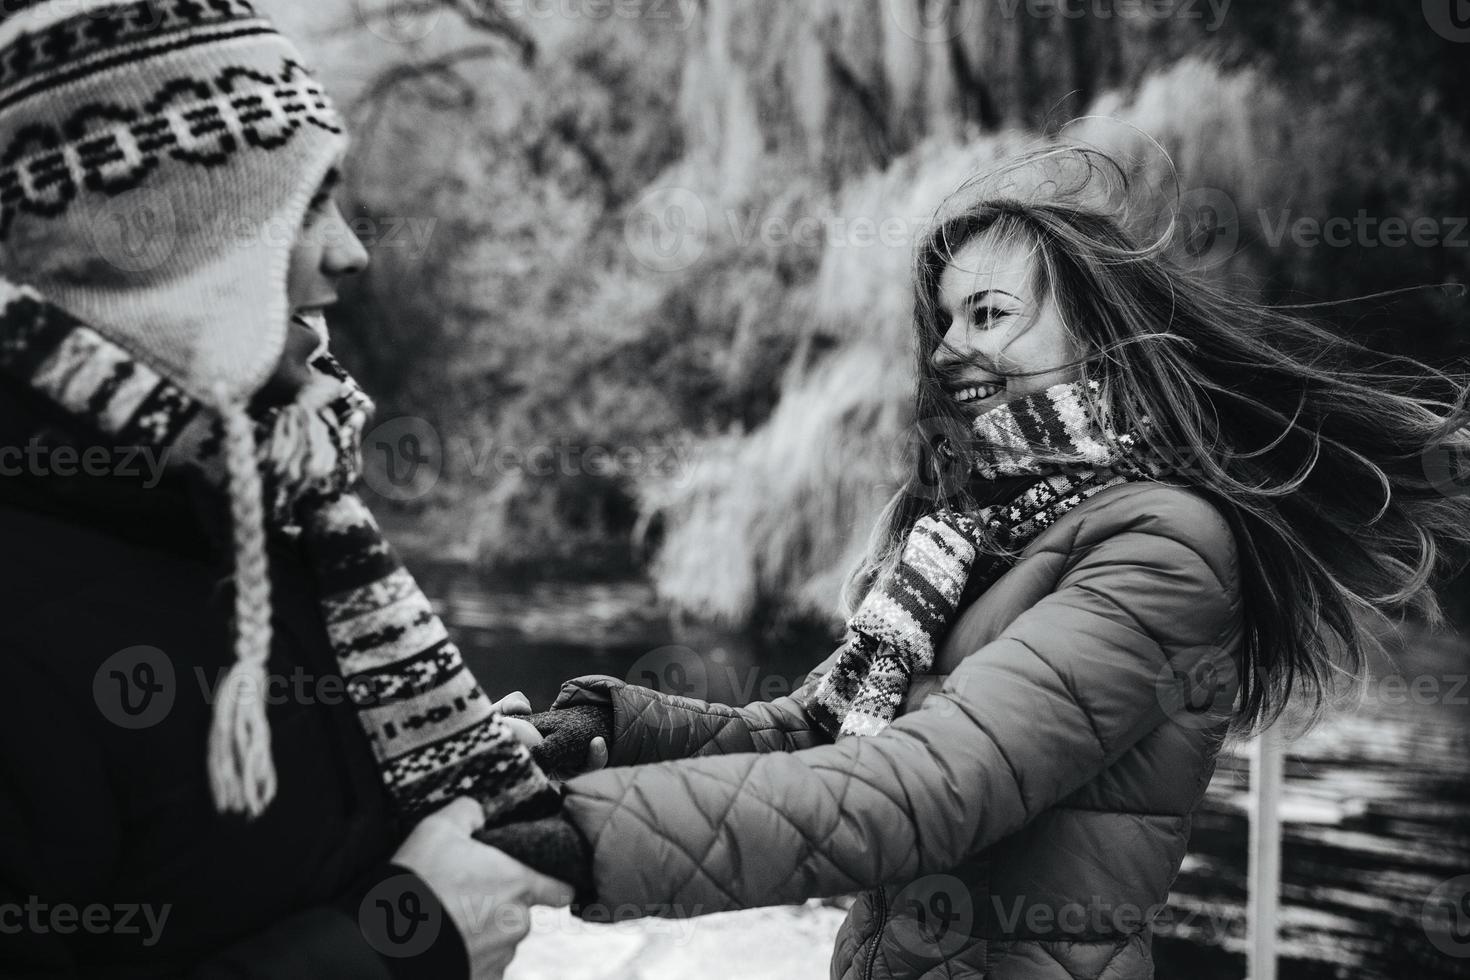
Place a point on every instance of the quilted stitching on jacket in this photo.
(990, 766)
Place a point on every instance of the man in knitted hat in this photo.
(238, 740)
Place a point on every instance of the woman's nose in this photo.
(954, 347)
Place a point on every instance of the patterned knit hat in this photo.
(157, 159)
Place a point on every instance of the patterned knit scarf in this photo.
(430, 724)
(1056, 435)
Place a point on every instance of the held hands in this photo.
(515, 706)
(468, 878)
(448, 849)
(565, 742)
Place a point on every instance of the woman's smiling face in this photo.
(1001, 340)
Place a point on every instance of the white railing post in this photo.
(1263, 872)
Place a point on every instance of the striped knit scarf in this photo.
(430, 724)
(1057, 435)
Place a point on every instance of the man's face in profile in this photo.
(326, 252)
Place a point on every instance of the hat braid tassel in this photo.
(241, 774)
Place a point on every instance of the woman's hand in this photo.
(558, 735)
(469, 877)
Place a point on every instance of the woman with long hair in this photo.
(1152, 512)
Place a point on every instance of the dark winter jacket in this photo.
(1024, 821)
(113, 862)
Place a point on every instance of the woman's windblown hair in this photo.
(1337, 467)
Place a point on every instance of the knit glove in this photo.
(568, 734)
(552, 845)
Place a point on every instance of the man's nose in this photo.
(345, 256)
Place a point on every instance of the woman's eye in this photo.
(987, 316)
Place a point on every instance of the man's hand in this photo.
(475, 883)
(516, 703)
(513, 704)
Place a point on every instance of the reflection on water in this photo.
(1376, 818)
(1377, 813)
(532, 636)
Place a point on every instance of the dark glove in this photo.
(552, 845)
(569, 733)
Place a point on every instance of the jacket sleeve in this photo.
(323, 943)
(63, 837)
(1019, 725)
(652, 726)
(330, 942)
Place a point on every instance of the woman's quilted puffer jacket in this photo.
(1023, 819)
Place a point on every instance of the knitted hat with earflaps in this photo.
(157, 159)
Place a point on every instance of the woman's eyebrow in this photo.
(974, 298)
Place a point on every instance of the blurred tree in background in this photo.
(681, 229)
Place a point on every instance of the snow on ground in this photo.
(783, 943)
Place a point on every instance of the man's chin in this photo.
(313, 319)
(294, 375)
